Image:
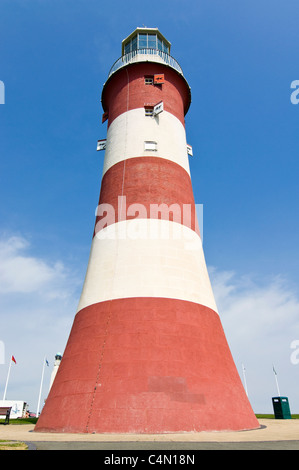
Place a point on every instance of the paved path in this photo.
(273, 434)
(109, 447)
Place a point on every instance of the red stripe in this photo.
(151, 182)
(146, 365)
(126, 90)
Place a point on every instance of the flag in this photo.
(274, 371)
(47, 362)
(13, 359)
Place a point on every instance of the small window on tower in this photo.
(149, 111)
(149, 80)
(150, 145)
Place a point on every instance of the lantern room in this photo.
(143, 39)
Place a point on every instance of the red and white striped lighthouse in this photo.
(147, 352)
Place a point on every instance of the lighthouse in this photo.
(147, 352)
(57, 362)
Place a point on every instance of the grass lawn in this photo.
(13, 445)
(261, 416)
(20, 421)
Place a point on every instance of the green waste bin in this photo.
(281, 408)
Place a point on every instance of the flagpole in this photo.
(244, 377)
(4, 395)
(275, 375)
(41, 386)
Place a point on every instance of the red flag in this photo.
(13, 359)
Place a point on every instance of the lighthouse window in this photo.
(150, 145)
(149, 111)
(148, 80)
(142, 41)
(131, 46)
(152, 41)
(134, 43)
(127, 48)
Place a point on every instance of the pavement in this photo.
(273, 434)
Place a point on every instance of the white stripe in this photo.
(147, 258)
(128, 132)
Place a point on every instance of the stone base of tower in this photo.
(146, 365)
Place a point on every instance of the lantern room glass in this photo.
(143, 41)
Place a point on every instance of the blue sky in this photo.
(239, 59)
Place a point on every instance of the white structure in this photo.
(57, 362)
(18, 408)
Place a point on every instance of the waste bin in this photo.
(281, 408)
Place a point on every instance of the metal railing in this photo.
(140, 55)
